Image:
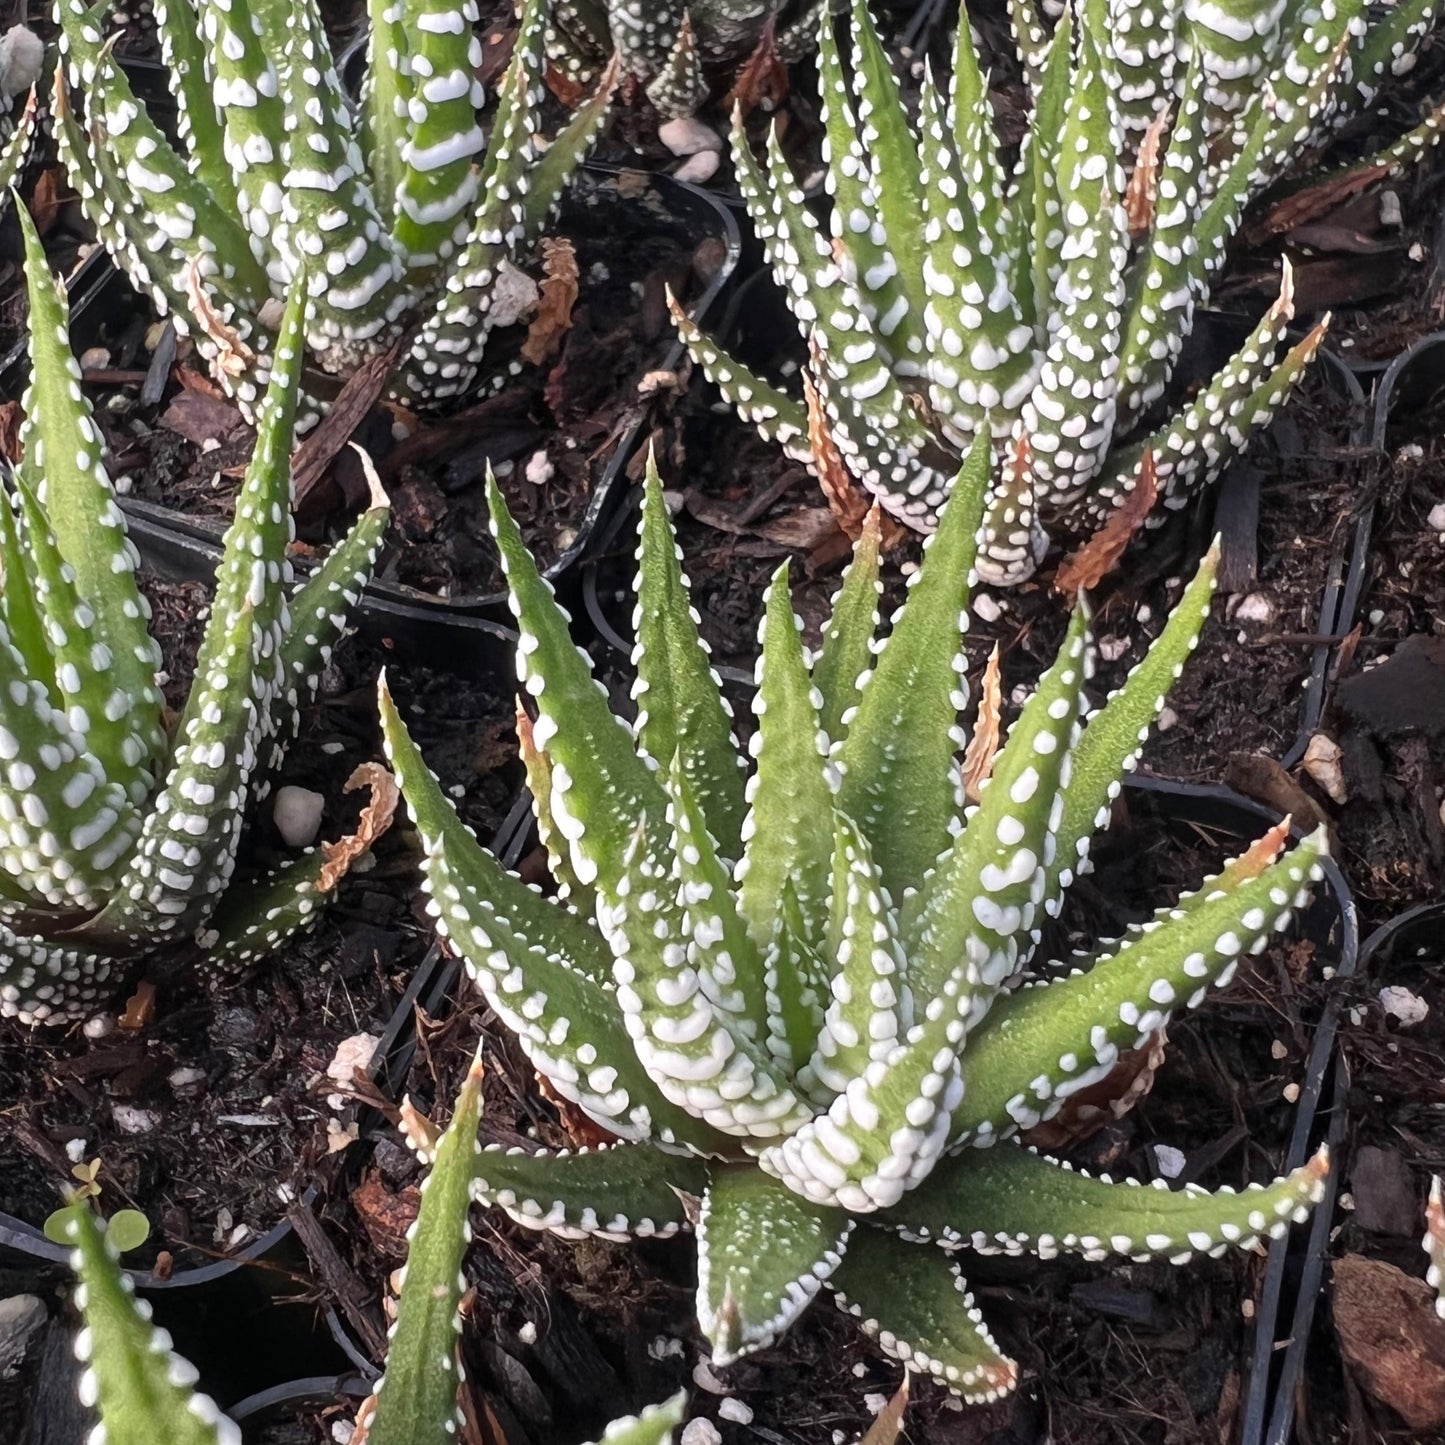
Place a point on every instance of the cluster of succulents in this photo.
(117, 839)
(672, 50)
(1049, 302)
(410, 223)
(785, 989)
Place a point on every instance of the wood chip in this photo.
(139, 1008)
(1086, 568)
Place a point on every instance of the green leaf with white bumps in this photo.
(415, 1400)
(763, 1254)
(142, 1390)
(915, 1303)
(824, 1033)
(113, 840)
(654, 1426)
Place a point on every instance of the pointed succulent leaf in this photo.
(63, 460)
(1011, 1200)
(847, 651)
(386, 92)
(1389, 46)
(569, 148)
(415, 1400)
(544, 971)
(1115, 733)
(1043, 1043)
(897, 760)
(681, 711)
(763, 1254)
(187, 847)
(15, 153)
(869, 1010)
(141, 1388)
(611, 1193)
(915, 1303)
(198, 121)
(654, 1426)
(49, 982)
(792, 785)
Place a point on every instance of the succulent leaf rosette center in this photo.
(783, 982)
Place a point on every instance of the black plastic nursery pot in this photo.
(1380, 1224)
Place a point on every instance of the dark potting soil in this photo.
(549, 435)
(561, 1335)
(214, 1153)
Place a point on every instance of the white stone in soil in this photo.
(1168, 1161)
(297, 813)
(186, 1080)
(99, 1026)
(1256, 607)
(1407, 1008)
(701, 1432)
(22, 55)
(352, 1054)
(736, 1411)
(539, 468)
(22, 1318)
(688, 136)
(131, 1120)
(1436, 519)
(1323, 761)
(698, 169)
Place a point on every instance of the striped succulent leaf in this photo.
(116, 839)
(404, 214)
(1051, 301)
(799, 1017)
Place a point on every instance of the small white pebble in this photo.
(875, 1403)
(859, 1370)
(352, 1053)
(704, 1379)
(1256, 607)
(664, 1346)
(185, 1079)
(1168, 718)
(1278, 1049)
(1436, 519)
(75, 1149)
(686, 136)
(539, 468)
(1403, 1006)
(701, 1432)
(297, 813)
(1111, 649)
(94, 358)
(131, 1120)
(1246, 1308)
(1168, 1161)
(1291, 1093)
(528, 1333)
(458, 790)
(736, 1411)
(1417, 252)
(22, 56)
(285, 1193)
(699, 169)
(342, 1431)
(985, 605)
(99, 1026)
(1390, 212)
(1347, 1202)
(331, 749)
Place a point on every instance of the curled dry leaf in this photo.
(1143, 188)
(139, 1008)
(762, 83)
(233, 356)
(884, 1430)
(420, 1133)
(848, 502)
(558, 296)
(983, 741)
(1086, 568)
(375, 819)
(1086, 1112)
(581, 1132)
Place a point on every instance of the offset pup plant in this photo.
(116, 839)
(403, 214)
(144, 1392)
(785, 988)
(1050, 302)
(670, 49)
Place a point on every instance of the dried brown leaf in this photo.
(375, 819)
(1144, 181)
(11, 415)
(553, 318)
(983, 744)
(233, 356)
(1087, 1111)
(44, 202)
(762, 83)
(884, 1429)
(139, 1008)
(584, 1133)
(1086, 568)
(420, 1133)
